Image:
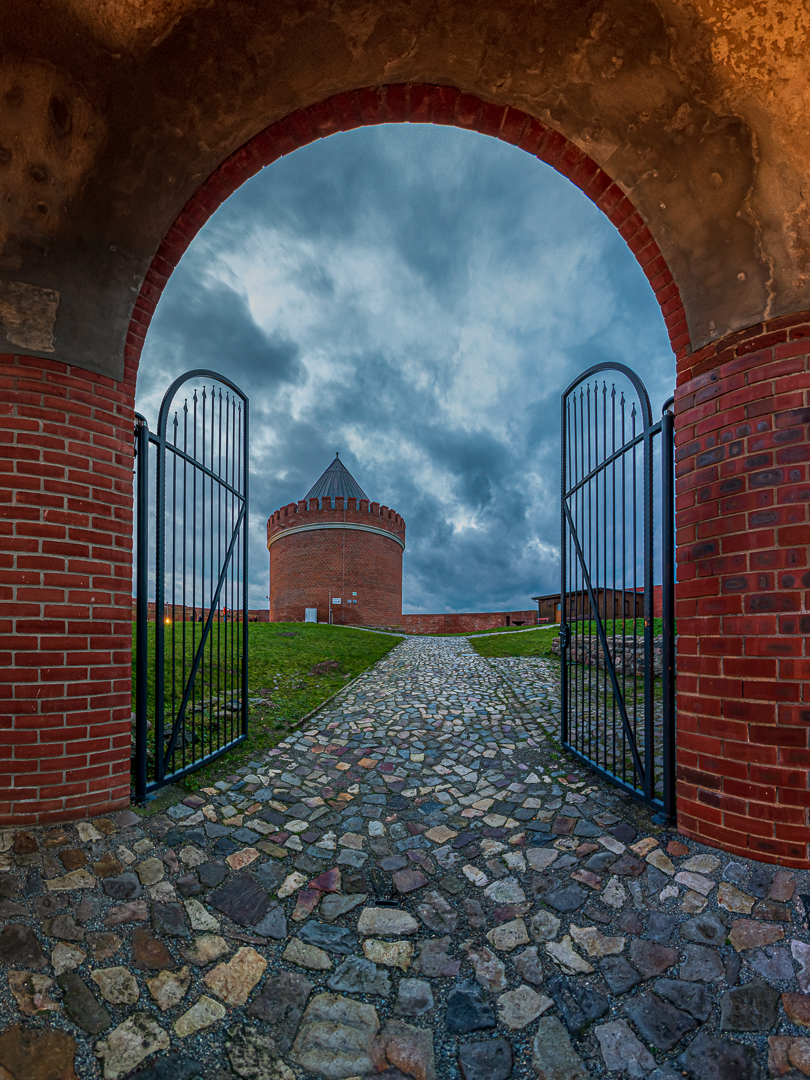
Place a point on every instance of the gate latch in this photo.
(563, 636)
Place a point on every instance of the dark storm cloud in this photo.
(416, 298)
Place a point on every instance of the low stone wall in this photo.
(466, 622)
(588, 651)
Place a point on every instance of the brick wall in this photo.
(307, 567)
(66, 585)
(415, 103)
(743, 593)
(466, 622)
(192, 614)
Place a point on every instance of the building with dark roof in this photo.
(335, 556)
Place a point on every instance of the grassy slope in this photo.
(279, 669)
(538, 642)
(535, 643)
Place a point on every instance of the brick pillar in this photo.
(66, 584)
(743, 595)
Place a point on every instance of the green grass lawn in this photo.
(489, 630)
(538, 642)
(535, 643)
(280, 659)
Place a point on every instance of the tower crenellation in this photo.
(337, 552)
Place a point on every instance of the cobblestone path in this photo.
(417, 885)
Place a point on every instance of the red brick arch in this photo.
(415, 104)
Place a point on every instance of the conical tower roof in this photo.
(334, 482)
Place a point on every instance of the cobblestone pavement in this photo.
(415, 886)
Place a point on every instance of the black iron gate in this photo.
(617, 539)
(191, 580)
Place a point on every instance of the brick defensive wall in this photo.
(342, 547)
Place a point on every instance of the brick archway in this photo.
(743, 600)
(416, 104)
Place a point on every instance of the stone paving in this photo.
(417, 885)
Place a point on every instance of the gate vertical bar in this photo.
(245, 547)
(563, 571)
(648, 509)
(142, 605)
(668, 606)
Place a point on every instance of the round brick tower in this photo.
(336, 552)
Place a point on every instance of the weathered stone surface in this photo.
(540, 859)
(801, 954)
(702, 964)
(336, 1038)
(168, 988)
(528, 965)
(508, 936)
(658, 1022)
(64, 927)
(708, 929)
(519, 1007)
(385, 922)
(683, 995)
(202, 1014)
(579, 1004)
(567, 899)
(747, 934)
(307, 956)
(149, 872)
(170, 919)
(544, 926)
(553, 1056)
(234, 980)
(30, 991)
(490, 1060)
(650, 958)
(619, 975)
(254, 1056)
(150, 953)
(333, 905)
(407, 881)
(434, 961)
(414, 998)
(129, 1044)
(436, 913)
(117, 985)
(505, 891)
(281, 1005)
(76, 879)
(752, 1007)
(406, 1048)
(103, 944)
(773, 962)
(204, 949)
(621, 1050)
(336, 939)
(595, 943)
(468, 1010)
(797, 1007)
(29, 1053)
(567, 957)
(708, 1058)
(19, 947)
(489, 970)
(242, 899)
(359, 976)
(273, 925)
(66, 958)
(81, 1005)
(732, 899)
(136, 911)
(123, 887)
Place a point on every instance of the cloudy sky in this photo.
(415, 297)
